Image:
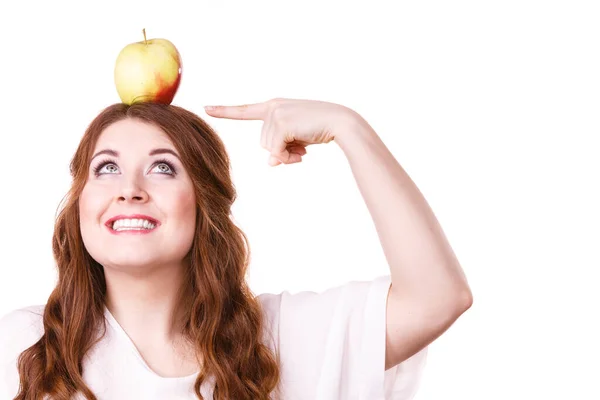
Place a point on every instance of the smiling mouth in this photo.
(132, 225)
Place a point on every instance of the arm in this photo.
(429, 290)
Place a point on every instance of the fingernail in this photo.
(209, 108)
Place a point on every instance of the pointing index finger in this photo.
(257, 111)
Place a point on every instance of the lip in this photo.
(110, 222)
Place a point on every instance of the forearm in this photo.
(421, 261)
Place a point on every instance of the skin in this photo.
(143, 272)
(429, 290)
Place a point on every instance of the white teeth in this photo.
(132, 224)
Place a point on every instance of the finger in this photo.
(296, 153)
(273, 161)
(284, 156)
(288, 157)
(301, 150)
(257, 111)
(294, 158)
(279, 144)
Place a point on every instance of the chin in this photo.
(131, 262)
(136, 254)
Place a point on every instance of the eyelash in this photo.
(107, 161)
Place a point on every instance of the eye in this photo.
(164, 167)
(105, 167)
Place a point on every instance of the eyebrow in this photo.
(153, 152)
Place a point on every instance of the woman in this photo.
(151, 301)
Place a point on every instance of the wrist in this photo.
(353, 130)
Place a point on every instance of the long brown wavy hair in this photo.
(222, 318)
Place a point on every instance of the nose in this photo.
(132, 192)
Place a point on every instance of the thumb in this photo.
(273, 161)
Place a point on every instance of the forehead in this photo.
(132, 134)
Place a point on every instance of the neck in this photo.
(146, 304)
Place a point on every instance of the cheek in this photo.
(91, 204)
(184, 207)
(177, 205)
(183, 214)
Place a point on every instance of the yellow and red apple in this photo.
(148, 71)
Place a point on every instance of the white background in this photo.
(492, 108)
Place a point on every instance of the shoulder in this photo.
(347, 305)
(27, 321)
(344, 296)
(19, 330)
(335, 340)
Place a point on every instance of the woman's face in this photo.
(138, 208)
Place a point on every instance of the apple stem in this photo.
(144, 32)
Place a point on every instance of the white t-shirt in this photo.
(331, 344)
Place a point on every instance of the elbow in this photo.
(453, 309)
(455, 302)
(464, 300)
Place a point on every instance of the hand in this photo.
(290, 125)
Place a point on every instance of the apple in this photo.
(148, 71)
